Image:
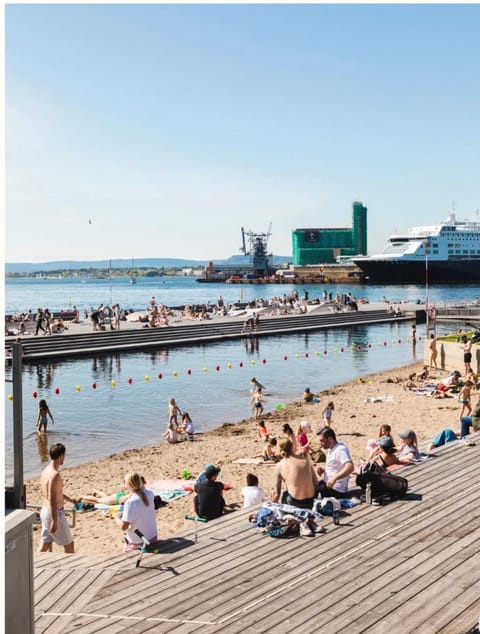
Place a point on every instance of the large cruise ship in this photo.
(437, 254)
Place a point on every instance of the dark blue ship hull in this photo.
(377, 271)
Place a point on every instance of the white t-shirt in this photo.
(141, 517)
(337, 456)
(252, 495)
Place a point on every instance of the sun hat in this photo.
(407, 433)
(372, 444)
(306, 425)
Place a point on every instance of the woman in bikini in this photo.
(386, 452)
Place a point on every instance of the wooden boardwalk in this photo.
(125, 340)
(409, 566)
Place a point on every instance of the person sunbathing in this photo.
(103, 498)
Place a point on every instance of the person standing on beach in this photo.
(433, 352)
(173, 412)
(55, 527)
(467, 354)
(116, 316)
(327, 414)
(257, 401)
(48, 319)
(39, 320)
(464, 399)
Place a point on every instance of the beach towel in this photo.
(386, 398)
(170, 489)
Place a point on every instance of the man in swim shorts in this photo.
(55, 527)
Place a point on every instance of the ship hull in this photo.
(379, 271)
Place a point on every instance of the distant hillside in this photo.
(154, 263)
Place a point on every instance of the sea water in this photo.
(22, 294)
(111, 402)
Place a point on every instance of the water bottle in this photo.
(368, 493)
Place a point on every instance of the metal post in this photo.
(427, 308)
(18, 492)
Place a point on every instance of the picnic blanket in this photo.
(170, 489)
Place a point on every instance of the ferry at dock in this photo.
(437, 254)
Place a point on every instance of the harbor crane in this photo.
(258, 251)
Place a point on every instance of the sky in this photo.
(160, 130)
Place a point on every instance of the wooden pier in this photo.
(125, 340)
(411, 566)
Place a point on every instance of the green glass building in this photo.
(324, 245)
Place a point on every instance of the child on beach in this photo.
(303, 443)
(187, 426)
(269, 451)
(385, 431)
(42, 419)
(409, 450)
(262, 430)
(308, 395)
(173, 412)
(464, 398)
(257, 401)
(327, 414)
(172, 434)
(252, 494)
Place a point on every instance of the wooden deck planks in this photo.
(237, 580)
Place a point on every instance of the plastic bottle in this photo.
(368, 493)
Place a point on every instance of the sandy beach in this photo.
(355, 421)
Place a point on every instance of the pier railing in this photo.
(451, 311)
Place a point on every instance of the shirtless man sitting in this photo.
(298, 474)
(55, 527)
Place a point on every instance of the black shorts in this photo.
(467, 357)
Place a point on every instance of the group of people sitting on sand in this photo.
(178, 432)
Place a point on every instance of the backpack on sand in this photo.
(384, 484)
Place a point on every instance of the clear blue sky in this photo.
(171, 126)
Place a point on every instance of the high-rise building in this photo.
(324, 245)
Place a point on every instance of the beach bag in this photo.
(372, 467)
(317, 455)
(386, 483)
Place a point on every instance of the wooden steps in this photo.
(71, 345)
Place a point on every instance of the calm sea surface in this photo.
(209, 381)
